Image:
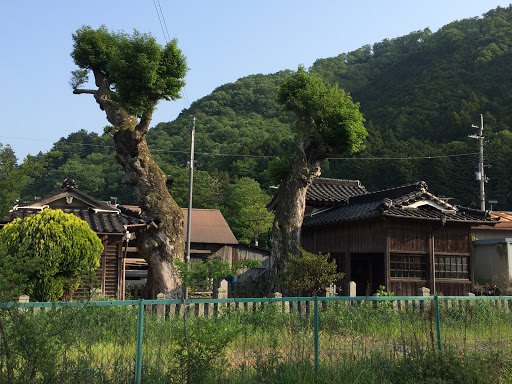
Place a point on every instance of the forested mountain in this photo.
(419, 93)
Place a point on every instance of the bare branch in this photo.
(77, 91)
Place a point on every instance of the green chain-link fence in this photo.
(242, 340)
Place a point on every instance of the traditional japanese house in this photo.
(402, 238)
(112, 227)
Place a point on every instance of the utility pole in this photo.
(190, 188)
(480, 174)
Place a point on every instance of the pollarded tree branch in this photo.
(78, 91)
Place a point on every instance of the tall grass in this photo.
(360, 343)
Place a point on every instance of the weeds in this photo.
(365, 342)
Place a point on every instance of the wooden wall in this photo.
(110, 266)
(357, 236)
(390, 235)
(110, 270)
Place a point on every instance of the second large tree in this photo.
(132, 73)
(328, 122)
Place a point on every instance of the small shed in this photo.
(210, 237)
(257, 253)
(402, 238)
(111, 226)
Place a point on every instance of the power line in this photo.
(403, 158)
(167, 37)
(160, 20)
(255, 156)
(163, 18)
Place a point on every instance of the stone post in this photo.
(223, 290)
(95, 294)
(424, 292)
(352, 289)
(279, 295)
(160, 308)
(222, 293)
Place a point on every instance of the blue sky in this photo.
(222, 40)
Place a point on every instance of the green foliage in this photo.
(52, 250)
(11, 177)
(201, 351)
(383, 292)
(239, 128)
(310, 272)
(14, 177)
(78, 77)
(246, 211)
(323, 112)
(204, 274)
(90, 160)
(364, 342)
(209, 188)
(139, 70)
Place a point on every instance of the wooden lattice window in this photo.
(452, 267)
(408, 266)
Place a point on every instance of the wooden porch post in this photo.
(387, 260)
(430, 260)
(348, 272)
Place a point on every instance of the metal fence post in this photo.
(315, 298)
(138, 352)
(438, 322)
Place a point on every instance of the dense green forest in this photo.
(419, 94)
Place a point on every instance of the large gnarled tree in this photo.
(132, 73)
(328, 122)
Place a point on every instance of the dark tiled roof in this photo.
(410, 201)
(68, 189)
(101, 217)
(392, 193)
(333, 191)
(99, 221)
(330, 192)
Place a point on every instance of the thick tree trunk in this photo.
(162, 240)
(289, 212)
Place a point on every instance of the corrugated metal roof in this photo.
(504, 223)
(505, 217)
(209, 226)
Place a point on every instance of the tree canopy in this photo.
(325, 113)
(246, 211)
(53, 249)
(138, 68)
